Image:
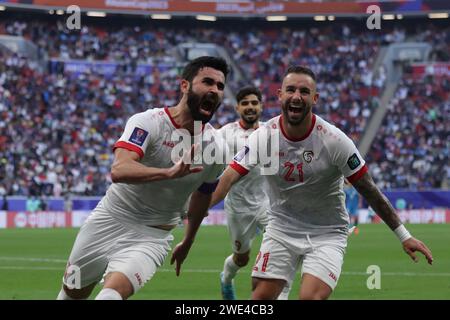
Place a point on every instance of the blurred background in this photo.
(71, 76)
(68, 84)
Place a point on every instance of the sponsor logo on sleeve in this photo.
(353, 162)
(241, 154)
(138, 136)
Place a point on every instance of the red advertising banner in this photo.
(441, 69)
(39, 219)
(421, 216)
(248, 8)
(244, 9)
(59, 219)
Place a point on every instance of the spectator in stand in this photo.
(65, 124)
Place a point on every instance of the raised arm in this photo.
(381, 205)
(229, 177)
(127, 168)
(198, 209)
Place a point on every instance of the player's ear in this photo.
(185, 85)
(279, 94)
(316, 97)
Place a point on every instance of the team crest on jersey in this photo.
(138, 136)
(241, 154)
(353, 162)
(308, 156)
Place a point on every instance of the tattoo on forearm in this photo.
(377, 200)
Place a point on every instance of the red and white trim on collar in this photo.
(240, 124)
(166, 109)
(306, 135)
(176, 125)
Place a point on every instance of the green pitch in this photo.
(32, 263)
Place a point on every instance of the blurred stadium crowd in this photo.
(57, 129)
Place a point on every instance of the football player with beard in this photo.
(308, 221)
(128, 235)
(247, 203)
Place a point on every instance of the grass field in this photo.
(32, 263)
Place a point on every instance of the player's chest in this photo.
(168, 149)
(237, 139)
(301, 165)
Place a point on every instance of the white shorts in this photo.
(105, 245)
(243, 228)
(321, 256)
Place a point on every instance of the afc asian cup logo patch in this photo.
(241, 154)
(353, 162)
(308, 156)
(138, 136)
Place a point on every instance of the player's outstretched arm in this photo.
(228, 178)
(127, 168)
(198, 209)
(382, 206)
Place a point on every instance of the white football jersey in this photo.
(306, 192)
(248, 194)
(149, 134)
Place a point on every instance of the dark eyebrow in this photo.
(209, 80)
(295, 88)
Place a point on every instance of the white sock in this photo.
(108, 294)
(229, 270)
(63, 296)
(284, 295)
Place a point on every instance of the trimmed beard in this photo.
(249, 122)
(195, 101)
(306, 109)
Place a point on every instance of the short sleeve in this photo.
(247, 158)
(138, 134)
(348, 159)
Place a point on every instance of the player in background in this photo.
(352, 204)
(246, 204)
(308, 222)
(128, 235)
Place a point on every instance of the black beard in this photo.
(306, 109)
(194, 102)
(249, 121)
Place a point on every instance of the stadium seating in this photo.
(57, 128)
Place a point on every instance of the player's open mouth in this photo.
(205, 112)
(250, 112)
(207, 108)
(295, 108)
(208, 105)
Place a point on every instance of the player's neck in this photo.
(182, 117)
(245, 125)
(298, 132)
